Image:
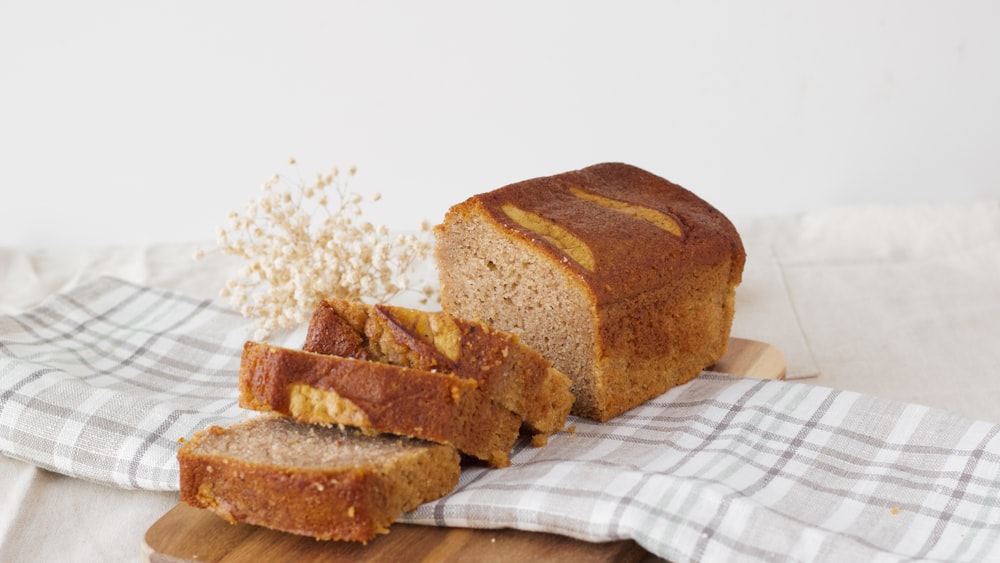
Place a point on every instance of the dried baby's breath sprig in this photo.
(304, 242)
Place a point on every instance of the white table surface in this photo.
(896, 302)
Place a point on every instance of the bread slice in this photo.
(330, 483)
(377, 397)
(624, 280)
(509, 372)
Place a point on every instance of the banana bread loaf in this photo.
(331, 483)
(377, 397)
(509, 372)
(624, 280)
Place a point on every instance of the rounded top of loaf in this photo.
(617, 228)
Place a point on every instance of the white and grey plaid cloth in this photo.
(101, 382)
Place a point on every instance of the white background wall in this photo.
(135, 122)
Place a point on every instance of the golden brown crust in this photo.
(621, 278)
(632, 255)
(354, 492)
(511, 373)
(338, 333)
(378, 397)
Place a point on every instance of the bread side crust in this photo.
(433, 406)
(507, 370)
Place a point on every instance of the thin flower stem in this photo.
(296, 259)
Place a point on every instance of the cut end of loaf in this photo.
(498, 279)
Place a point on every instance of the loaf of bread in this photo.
(509, 372)
(330, 483)
(377, 397)
(624, 280)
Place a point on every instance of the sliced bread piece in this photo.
(511, 373)
(377, 397)
(330, 483)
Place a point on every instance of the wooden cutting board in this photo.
(187, 534)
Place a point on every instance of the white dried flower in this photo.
(303, 246)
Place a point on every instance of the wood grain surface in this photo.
(187, 534)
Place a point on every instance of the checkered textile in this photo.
(101, 382)
(730, 469)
